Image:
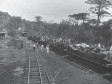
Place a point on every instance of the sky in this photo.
(50, 10)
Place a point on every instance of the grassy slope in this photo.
(10, 59)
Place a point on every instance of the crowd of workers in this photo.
(35, 46)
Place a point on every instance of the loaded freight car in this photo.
(98, 59)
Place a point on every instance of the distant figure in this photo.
(37, 44)
(34, 47)
(47, 48)
(42, 46)
(30, 47)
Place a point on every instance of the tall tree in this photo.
(38, 19)
(79, 16)
(83, 16)
(75, 17)
(100, 7)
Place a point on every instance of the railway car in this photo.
(95, 58)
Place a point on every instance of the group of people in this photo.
(47, 48)
(34, 46)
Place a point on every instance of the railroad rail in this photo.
(80, 60)
(36, 72)
(80, 67)
(87, 67)
(90, 67)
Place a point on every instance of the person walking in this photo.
(47, 48)
(37, 45)
(42, 46)
(30, 47)
(34, 47)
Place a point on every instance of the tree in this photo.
(100, 8)
(17, 22)
(83, 16)
(75, 18)
(79, 16)
(92, 22)
(38, 19)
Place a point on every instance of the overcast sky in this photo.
(49, 9)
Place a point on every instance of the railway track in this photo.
(36, 73)
(77, 65)
(79, 59)
(86, 65)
